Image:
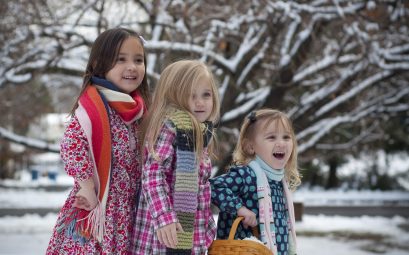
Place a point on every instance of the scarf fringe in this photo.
(96, 222)
(93, 114)
(81, 225)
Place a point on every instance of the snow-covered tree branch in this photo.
(331, 65)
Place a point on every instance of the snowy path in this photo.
(318, 235)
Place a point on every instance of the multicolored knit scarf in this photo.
(93, 116)
(186, 185)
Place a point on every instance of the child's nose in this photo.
(131, 66)
(280, 143)
(199, 102)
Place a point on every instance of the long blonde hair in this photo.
(249, 128)
(172, 92)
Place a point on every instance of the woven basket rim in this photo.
(221, 246)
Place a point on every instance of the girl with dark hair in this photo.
(100, 149)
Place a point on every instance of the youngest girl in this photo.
(256, 187)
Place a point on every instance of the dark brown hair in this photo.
(103, 55)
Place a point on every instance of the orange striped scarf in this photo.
(93, 116)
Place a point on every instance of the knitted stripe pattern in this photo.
(186, 184)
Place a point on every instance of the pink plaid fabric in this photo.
(155, 207)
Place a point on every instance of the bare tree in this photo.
(338, 68)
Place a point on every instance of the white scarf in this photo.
(266, 216)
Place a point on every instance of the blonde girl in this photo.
(257, 185)
(174, 215)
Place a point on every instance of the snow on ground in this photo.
(319, 196)
(28, 199)
(317, 234)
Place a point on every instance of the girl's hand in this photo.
(86, 197)
(82, 203)
(250, 218)
(167, 234)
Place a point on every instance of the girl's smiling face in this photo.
(272, 143)
(129, 69)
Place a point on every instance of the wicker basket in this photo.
(237, 247)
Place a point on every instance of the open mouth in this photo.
(279, 155)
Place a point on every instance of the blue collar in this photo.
(104, 83)
(272, 174)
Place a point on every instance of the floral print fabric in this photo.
(123, 187)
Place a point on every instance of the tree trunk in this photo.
(332, 181)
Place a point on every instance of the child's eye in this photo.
(287, 137)
(139, 60)
(271, 137)
(207, 94)
(120, 59)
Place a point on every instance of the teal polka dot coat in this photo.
(237, 188)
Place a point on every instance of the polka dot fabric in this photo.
(238, 188)
(280, 216)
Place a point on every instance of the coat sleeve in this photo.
(229, 189)
(75, 152)
(155, 177)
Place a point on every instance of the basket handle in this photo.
(235, 225)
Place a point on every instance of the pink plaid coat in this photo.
(155, 207)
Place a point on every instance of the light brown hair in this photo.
(259, 120)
